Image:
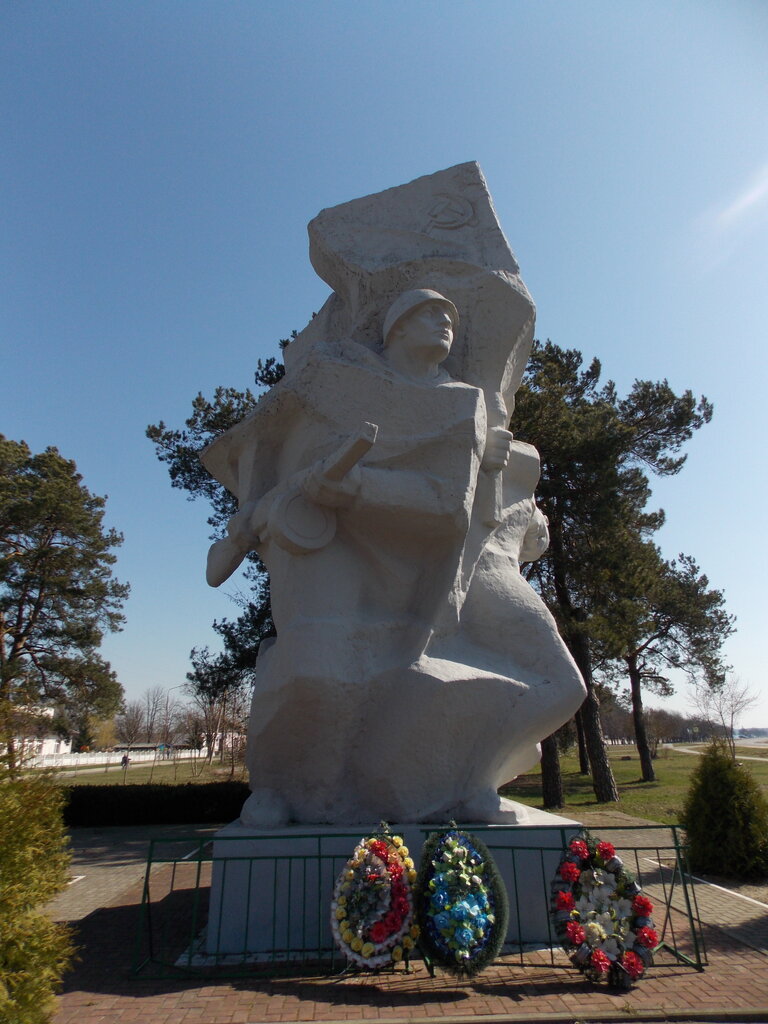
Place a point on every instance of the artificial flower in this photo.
(565, 901)
(569, 872)
(605, 878)
(579, 847)
(611, 948)
(642, 906)
(632, 964)
(647, 937)
(599, 962)
(621, 907)
(594, 932)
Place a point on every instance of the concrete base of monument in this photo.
(271, 889)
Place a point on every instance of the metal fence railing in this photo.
(239, 904)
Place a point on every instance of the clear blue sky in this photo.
(159, 163)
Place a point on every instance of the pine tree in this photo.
(595, 448)
(57, 592)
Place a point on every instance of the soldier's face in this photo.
(428, 327)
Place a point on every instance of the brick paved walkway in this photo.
(102, 990)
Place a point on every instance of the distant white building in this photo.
(41, 743)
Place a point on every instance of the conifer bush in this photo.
(34, 952)
(725, 815)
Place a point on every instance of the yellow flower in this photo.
(342, 901)
(408, 862)
(404, 851)
(356, 944)
(397, 954)
(412, 875)
(415, 931)
(349, 874)
(348, 936)
(367, 950)
(407, 942)
(397, 840)
(340, 913)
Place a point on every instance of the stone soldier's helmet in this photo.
(411, 300)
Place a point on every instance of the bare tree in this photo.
(191, 728)
(169, 720)
(154, 698)
(213, 686)
(130, 722)
(724, 705)
(660, 727)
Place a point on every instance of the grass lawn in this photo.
(162, 771)
(657, 801)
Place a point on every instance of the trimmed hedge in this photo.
(154, 804)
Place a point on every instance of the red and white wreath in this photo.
(601, 915)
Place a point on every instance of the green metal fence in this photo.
(261, 905)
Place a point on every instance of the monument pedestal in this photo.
(271, 890)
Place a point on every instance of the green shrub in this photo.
(34, 952)
(154, 804)
(726, 818)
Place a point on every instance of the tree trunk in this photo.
(603, 781)
(641, 737)
(551, 778)
(582, 742)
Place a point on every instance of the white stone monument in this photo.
(414, 669)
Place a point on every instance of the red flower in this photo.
(606, 850)
(579, 847)
(633, 964)
(569, 872)
(599, 962)
(378, 932)
(379, 848)
(395, 869)
(647, 937)
(565, 901)
(642, 906)
(576, 934)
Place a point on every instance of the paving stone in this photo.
(104, 907)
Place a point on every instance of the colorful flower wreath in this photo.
(372, 906)
(461, 903)
(601, 914)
